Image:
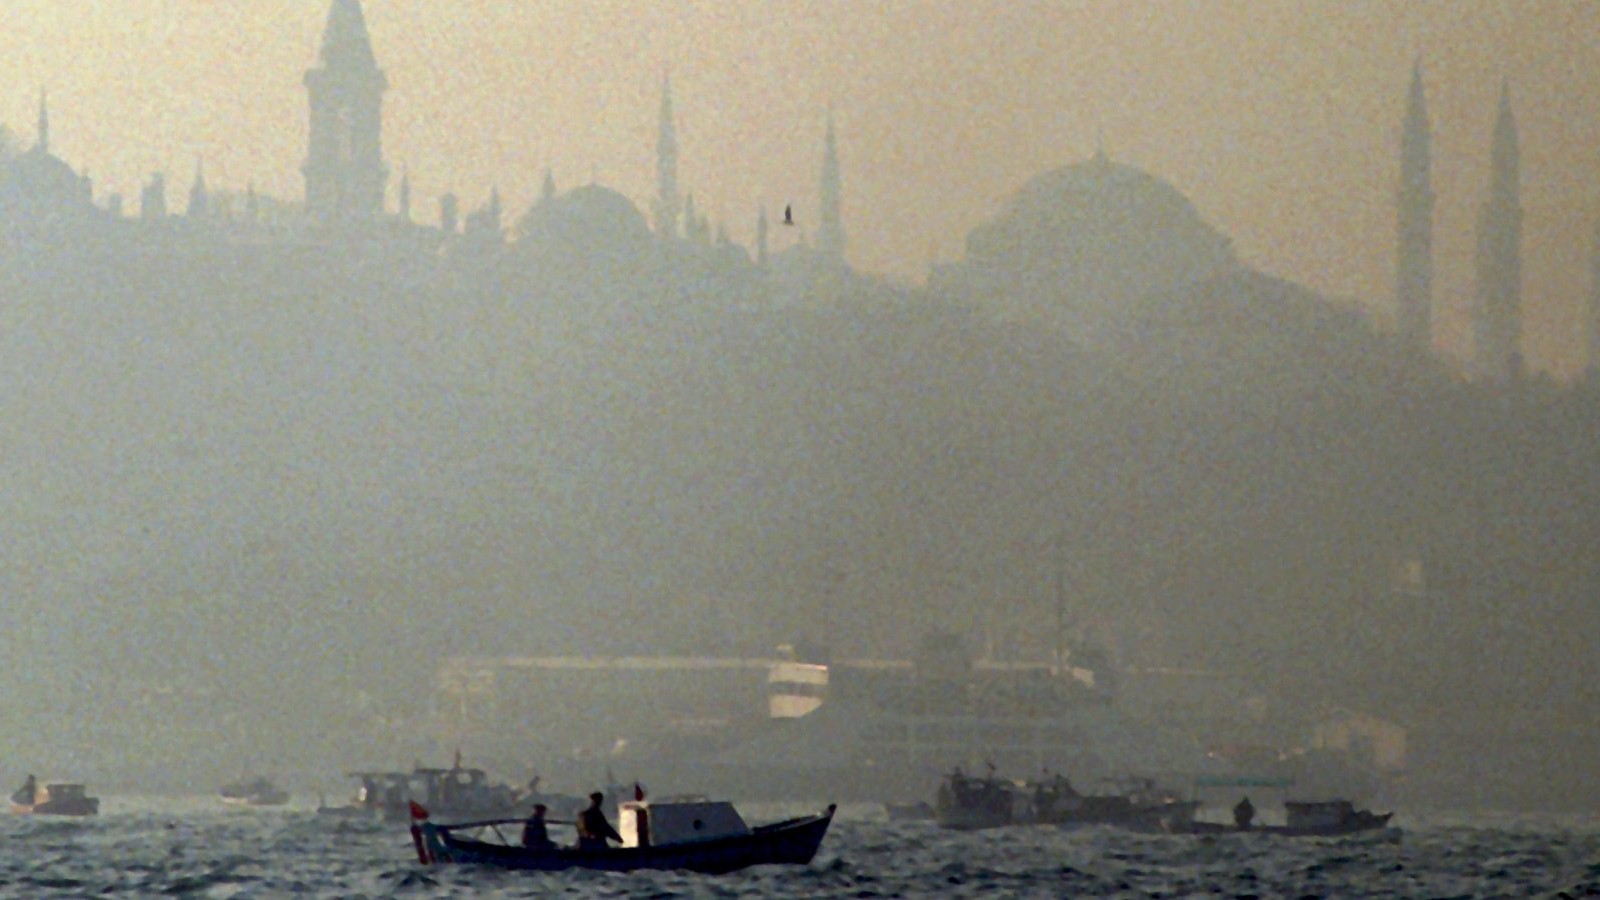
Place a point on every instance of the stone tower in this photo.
(344, 171)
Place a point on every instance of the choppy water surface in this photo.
(140, 848)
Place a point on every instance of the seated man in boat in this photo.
(1243, 813)
(593, 827)
(535, 834)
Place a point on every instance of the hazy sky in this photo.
(1279, 119)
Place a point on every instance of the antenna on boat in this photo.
(1061, 602)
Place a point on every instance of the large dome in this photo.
(591, 217)
(1098, 230)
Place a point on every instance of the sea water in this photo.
(147, 847)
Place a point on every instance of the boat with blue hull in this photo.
(695, 836)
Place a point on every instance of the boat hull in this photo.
(791, 842)
(1371, 825)
(278, 799)
(86, 807)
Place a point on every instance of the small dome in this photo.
(1099, 229)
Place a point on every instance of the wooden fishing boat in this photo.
(60, 799)
(691, 835)
(1329, 818)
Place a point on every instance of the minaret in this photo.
(405, 194)
(1414, 200)
(761, 237)
(830, 231)
(199, 197)
(667, 202)
(1497, 318)
(344, 170)
(1594, 308)
(44, 121)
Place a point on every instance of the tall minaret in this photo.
(1414, 199)
(1497, 318)
(344, 171)
(668, 204)
(1594, 308)
(830, 231)
(761, 237)
(44, 121)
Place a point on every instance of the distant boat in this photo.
(458, 792)
(58, 799)
(690, 835)
(969, 803)
(920, 811)
(1332, 818)
(253, 792)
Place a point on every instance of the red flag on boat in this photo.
(638, 792)
(418, 811)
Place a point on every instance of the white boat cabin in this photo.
(642, 823)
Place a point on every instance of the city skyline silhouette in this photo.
(1288, 139)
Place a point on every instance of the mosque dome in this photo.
(591, 217)
(1098, 230)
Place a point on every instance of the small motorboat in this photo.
(56, 799)
(691, 835)
(253, 792)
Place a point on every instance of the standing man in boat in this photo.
(535, 834)
(28, 793)
(593, 828)
(1243, 813)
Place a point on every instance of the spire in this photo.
(199, 197)
(667, 202)
(405, 193)
(44, 121)
(345, 41)
(1415, 204)
(830, 231)
(1497, 316)
(1506, 158)
(548, 191)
